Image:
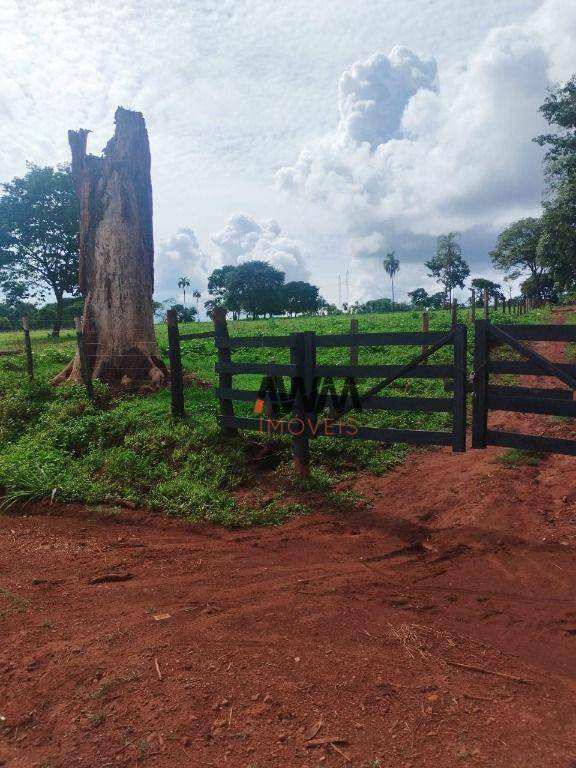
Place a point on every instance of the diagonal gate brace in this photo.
(541, 362)
(402, 372)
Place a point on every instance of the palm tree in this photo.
(391, 266)
(197, 295)
(184, 283)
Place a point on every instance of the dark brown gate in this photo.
(555, 401)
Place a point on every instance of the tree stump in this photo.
(117, 258)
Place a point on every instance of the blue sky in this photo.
(317, 135)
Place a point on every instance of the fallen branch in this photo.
(325, 742)
(107, 578)
(484, 671)
(157, 668)
(341, 752)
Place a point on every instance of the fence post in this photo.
(460, 382)
(303, 355)
(425, 329)
(503, 306)
(480, 403)
(473, 307)
(84, 371)
(224, 356)
(486, 304)
(354, 350)
(28, 347)
(176, 377)
(454, 313)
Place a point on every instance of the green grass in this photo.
(55, 443)
(516, 457)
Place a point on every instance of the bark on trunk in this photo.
(117, 257)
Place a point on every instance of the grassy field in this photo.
(55, 444)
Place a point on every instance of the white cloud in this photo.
(373, 94)
(243, 238)
(408, 161)
(180, 256)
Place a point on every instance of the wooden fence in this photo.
(305, 421)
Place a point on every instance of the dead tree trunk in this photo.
(117, 257)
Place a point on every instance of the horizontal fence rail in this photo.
(374, 371)
(194, 336)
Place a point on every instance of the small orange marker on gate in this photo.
(259, 405)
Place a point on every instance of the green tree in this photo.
(546, 288)
(256, 285)
(517, 249)
(185, 314)
(197, 295)
(419, 298)
(39, 236)
(183, 283)
(557, 244)
(391, 266)
(299, 297)
(480, 284)
(253, 287)
(219, 287)
(448, 266)
(559, 109)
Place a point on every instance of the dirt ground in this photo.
(436, 627)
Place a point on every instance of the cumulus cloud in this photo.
(415, 154)
(374, 93)
(181, 256)
(243, 238)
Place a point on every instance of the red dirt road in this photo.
(437, 628)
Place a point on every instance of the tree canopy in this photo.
(559, 109)
(517, 248)
(480, 284)
(420, 298)
(258, 289)
(448, 266)
(545, 247)
(39, 237)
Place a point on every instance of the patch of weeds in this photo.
(516, 457)
(345, 499)
(319, 480)
(132, 674)
(272, 512)
(104, 687)
(143, 748)
(106, 510)
(96, 719)
(13, 602)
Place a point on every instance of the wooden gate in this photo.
(490, 397)
(305, 374)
